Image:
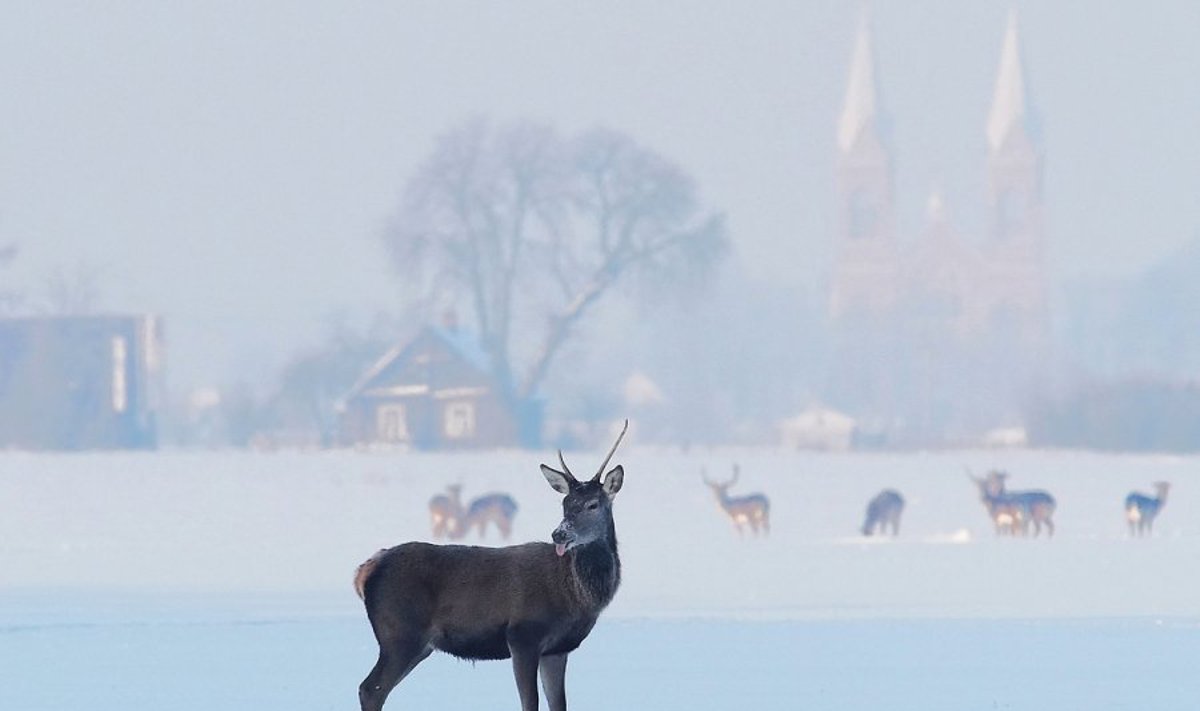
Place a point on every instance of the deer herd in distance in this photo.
(1014, 513)
(535, 603)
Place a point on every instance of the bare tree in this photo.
(528, 229)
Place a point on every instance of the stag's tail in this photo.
(364, 572)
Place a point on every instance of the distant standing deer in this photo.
(1141, 509)
(884, 512)
(1004, 513)
(753, 509)
(446, 512)
(533, 603)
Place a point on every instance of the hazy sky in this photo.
(231, 165)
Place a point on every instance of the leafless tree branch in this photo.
(533, 228)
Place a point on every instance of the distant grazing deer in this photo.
(1141, 509)
(446, 512)
(752, 509)
(533, 603)
(1013, 511)
(497, 508)
(884, 512)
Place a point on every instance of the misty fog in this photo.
(233, 168)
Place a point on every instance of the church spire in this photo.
(1010, 100)
(862, 106)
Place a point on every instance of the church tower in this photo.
(865, 273)
(1015, 245)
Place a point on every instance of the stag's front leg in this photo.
(554, 680)
(525, 672)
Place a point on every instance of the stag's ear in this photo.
(558, 481)
(613, 480)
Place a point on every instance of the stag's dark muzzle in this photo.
(563, 537)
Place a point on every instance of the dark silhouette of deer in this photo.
(1141, 509)
(534, 603)
(883, 512)
(753, 509)
(1013, 511)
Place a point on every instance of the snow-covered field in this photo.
(212, 580)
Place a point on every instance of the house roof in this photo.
(462, 343)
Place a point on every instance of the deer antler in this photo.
(611, 452)
(566, 470)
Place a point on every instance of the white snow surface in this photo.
(301, 522)
(221, 580)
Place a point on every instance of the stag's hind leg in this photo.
(396, 660)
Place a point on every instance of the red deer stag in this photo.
(534, 603)
(884, 512)
(1005, 515)
(1141, 509)
(753, 509)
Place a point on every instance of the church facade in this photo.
(937, 335)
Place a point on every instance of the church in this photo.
(936, 337)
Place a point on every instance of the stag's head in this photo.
(986, 490)
(720, 488)
(587, 506)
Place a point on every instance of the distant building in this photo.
(435, 392)
(819, 428)
(919, 322)
(80, 382)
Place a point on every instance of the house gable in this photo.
(436, 391)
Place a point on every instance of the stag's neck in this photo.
(596, 571)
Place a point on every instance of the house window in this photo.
(391, 423)
(120, 395)
(459, 420)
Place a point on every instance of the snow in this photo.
(222, 580)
